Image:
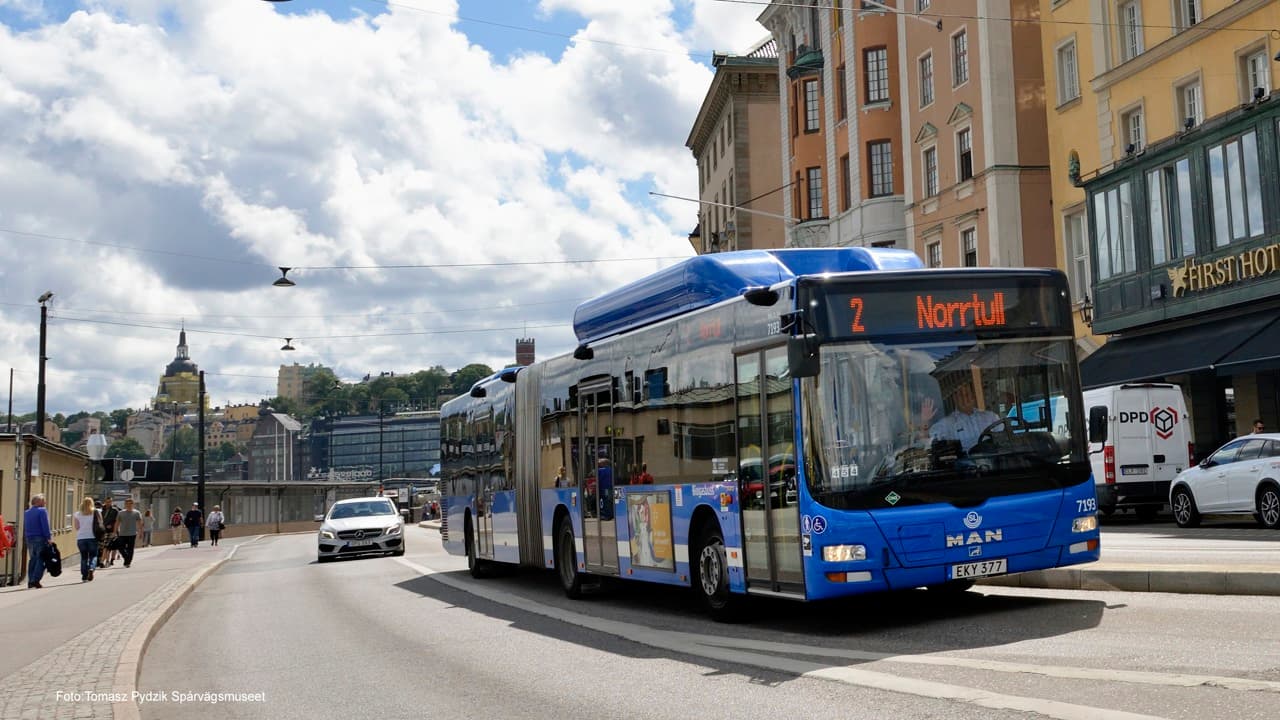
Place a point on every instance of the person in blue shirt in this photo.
(35, 523)
(965, 422)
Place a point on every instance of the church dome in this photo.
(180, 365)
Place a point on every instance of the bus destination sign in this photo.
(884, 311)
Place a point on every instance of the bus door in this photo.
(595, 425)
(485, 489)
(767, 473)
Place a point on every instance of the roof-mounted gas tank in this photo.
(705, 280)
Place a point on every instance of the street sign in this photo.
(126, 475)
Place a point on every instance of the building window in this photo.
(1113, 227)
(846, 179)
(934, 252)
(1256, 72)
(926, 80)
(1131, 123)
(969, 246)
(1130, 30)
(880, 155)
(930, 172)
(1186, 13)
(922, 5)
(1173, 232)
(842, 94)
(964, 154)
(839, 8)
(1068, 81)
(875, 64)
(815, 192)
(1077, 246)
(1190, 103)
(811, 106)
(959, 58)
(1237, 189)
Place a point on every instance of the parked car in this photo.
(361, 526)
(1240, 477)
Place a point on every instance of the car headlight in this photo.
(394, 529)
(327, 535)
(1084, 524)
(844, 553)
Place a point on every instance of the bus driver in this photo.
(966, 422)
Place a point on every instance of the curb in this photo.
(1196, 581)
(130, 663)
(430, 524)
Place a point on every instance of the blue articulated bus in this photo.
(802, 423)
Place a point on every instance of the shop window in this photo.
(1173, 233)
(1236, 189)
(1113, 230)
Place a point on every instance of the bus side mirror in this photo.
(1098, 424)
(802, 355)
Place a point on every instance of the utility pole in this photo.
(200, 461)
(44, 320)
(381, 409)
(9, 426)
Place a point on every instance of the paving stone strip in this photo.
(77, 680)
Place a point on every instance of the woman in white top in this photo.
(86, 540)
(215, 523)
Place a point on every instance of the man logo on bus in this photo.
(1163, 420)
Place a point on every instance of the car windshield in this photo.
(893, 425)
(370, 508)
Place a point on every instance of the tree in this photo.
(76, 416)
(71, 437)
(120, 419)
(222, 453)
(183, 445)
(126, 449)
(466, 376)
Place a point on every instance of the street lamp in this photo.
(44, 321)
(96, 446)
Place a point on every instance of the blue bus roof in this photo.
(705, 280)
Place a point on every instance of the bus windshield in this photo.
(893, 425)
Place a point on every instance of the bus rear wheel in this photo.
(566, 557)
(710, 573)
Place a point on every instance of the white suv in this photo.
(360, 526)
(1242, 476)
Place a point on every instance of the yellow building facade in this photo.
(57, 472)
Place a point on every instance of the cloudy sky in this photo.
(159, 158)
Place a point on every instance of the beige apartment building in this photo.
(735, 142)
(976, 157)
(842, 138)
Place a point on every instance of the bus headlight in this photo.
(844, 553)
(1084, 524)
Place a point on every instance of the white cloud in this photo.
(234, 132)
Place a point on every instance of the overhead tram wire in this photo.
(1201, 27)
(406, 333)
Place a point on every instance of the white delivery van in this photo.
(1140, 438)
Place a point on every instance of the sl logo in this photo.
(1163, 420)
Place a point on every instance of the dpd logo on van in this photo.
(1163, 420)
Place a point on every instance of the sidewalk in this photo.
(87, 638)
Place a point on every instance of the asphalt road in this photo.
(417, 637)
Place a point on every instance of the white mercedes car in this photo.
(361, 526)
(1241, 477)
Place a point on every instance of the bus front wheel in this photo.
(566, 556)
(711, 578)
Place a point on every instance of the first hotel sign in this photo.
(1192, 276)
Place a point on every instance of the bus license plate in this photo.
(359, 543)
(979, 569)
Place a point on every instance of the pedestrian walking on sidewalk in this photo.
(175, 525)
(35, 524)
(215, 523)
(109, 513)
(148, 524)
(128, 525)
(194, 521)
(88, 525)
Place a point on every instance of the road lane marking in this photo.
(699, 646)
